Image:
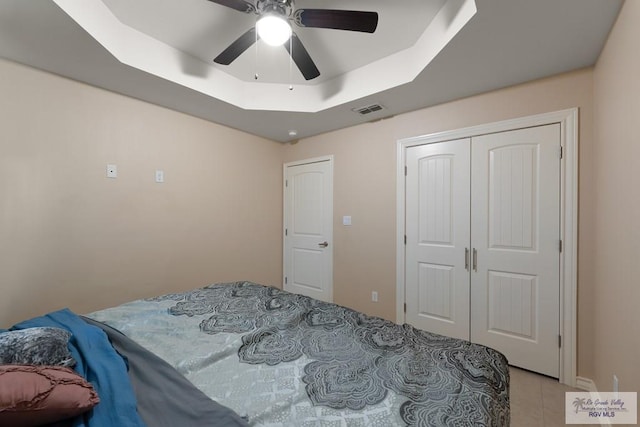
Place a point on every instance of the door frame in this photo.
(568, 120)
(328, 158)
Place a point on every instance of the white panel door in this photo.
(308, 222)
(437, 231)
(515, 229)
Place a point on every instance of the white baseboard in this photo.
(586, 384)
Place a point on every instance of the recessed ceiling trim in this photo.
(141, 51)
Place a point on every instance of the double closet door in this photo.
(483, 245)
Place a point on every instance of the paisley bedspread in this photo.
(281, 359)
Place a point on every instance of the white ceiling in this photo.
(507, 42)
(351, 70)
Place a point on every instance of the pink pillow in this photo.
(34, 395)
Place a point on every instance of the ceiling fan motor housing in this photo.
(278, 7)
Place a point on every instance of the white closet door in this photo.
(515, 228)
(437, 230)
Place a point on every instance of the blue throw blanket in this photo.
(101, 365)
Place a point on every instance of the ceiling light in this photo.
(273, 29)
(293, 133)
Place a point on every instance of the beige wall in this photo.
(616, 314)
(71, 237)
(365, 188)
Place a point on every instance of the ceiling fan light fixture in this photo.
(273, 29)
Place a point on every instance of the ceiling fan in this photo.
(282, 11)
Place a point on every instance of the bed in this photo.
(272, 358)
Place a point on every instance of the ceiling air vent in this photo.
(368, 109)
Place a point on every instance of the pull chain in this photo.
(255, 76)
(290, 62)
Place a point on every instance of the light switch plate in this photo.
(346, 220)
(159, 176)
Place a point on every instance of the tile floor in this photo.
(536, 400)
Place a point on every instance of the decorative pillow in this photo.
(36, 395)
(36, 346)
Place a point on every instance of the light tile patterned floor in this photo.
(536, 400)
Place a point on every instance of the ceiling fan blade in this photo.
(350, 20)
(301, 57)
(239, 5)
(236, 48)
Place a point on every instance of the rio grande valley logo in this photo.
(595, 408)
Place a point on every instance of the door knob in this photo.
(323, 244)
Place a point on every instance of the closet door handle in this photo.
(475, 260)
(466, 259)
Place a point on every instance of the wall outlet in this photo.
(374, 296)
(159, 175)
